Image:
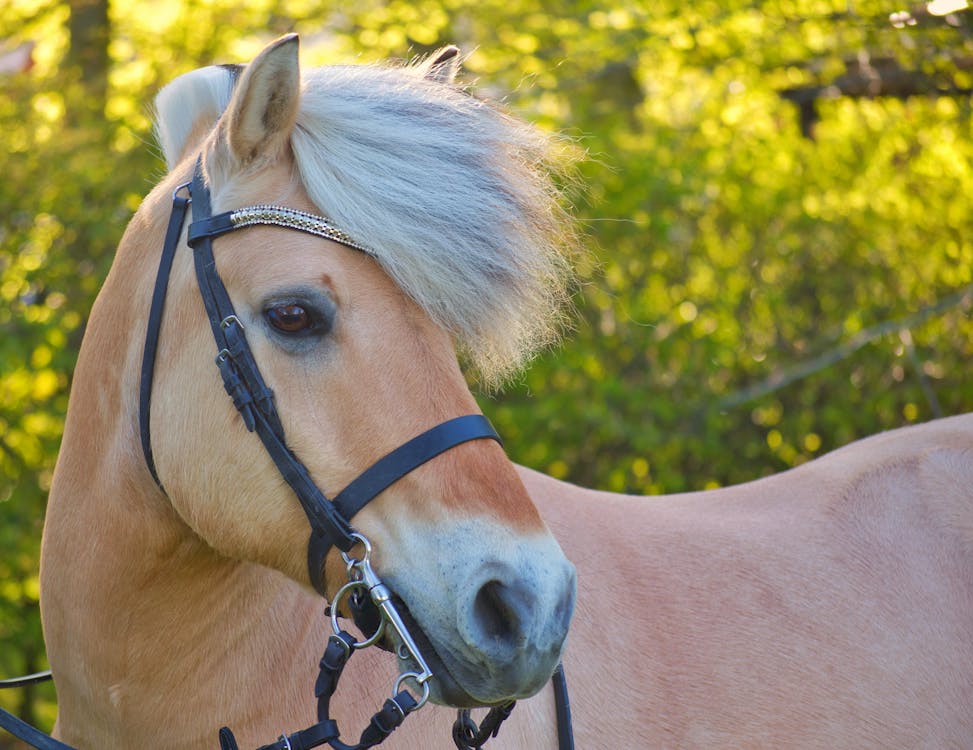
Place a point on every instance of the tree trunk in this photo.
(88, 53)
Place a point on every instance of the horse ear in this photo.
(264, 106)
(442, 66)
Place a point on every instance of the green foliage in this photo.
(755, 297)
(731, 248)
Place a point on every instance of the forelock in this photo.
(458, 199)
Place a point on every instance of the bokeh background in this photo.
(777, 198)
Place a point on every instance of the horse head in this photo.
(447, 238)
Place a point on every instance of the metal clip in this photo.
(362, 576)
(422, 682)
(185, 186)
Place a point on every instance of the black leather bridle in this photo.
(330, 520)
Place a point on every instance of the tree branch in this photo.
(787, 375)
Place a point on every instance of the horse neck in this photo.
(155, 635)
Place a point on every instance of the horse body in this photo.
(827, 606)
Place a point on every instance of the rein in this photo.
(466, 734)
(329, 519)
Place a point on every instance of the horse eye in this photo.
(290, 318)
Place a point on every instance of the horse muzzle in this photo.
(501, 633)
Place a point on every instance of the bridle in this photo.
(370, 601)
(330, 520)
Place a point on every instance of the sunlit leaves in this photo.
(763, 247)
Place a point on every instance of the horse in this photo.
(352, 228)
(827, 606)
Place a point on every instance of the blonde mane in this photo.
(459, 200)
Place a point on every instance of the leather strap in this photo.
(173, 231)
(29, 679)
(383, 723)
(562, 710)
(388, 470)
(210, 226)
(25, 732)
(425, 447)
(245, 385)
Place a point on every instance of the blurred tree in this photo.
(87, 54)
(755, 297)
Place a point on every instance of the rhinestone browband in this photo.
(294, 219)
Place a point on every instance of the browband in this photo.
(276, 216)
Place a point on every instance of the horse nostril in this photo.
(512, 622)
(498, 610)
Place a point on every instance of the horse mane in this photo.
(194, 99)
(461, 202)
